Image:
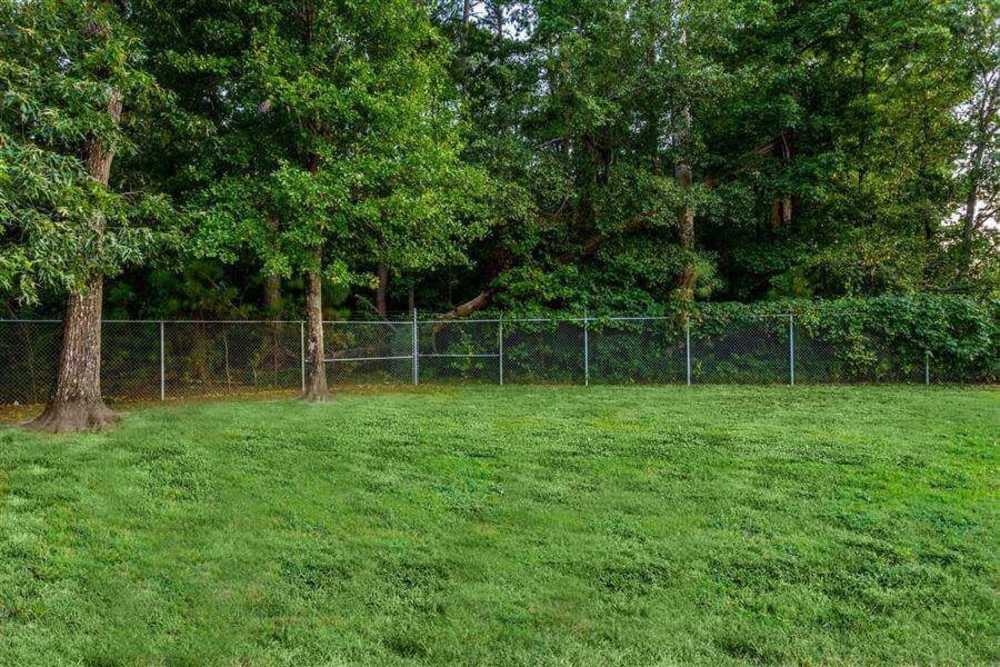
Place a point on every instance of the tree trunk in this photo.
(272, 283)
(199, 352)
(272, 311)
(463, 33)
(381, 305)
(685, 222)
(969, 223)
(498, 20)
(478, 302)
(76, 404)
(781, 212)
(685, 286)
(316, 387)
(971, 209)
(272, 296)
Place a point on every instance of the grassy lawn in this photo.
(513, 525)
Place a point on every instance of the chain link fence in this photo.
(151, 360)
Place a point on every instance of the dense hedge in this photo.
(890, 339)
(961, 335)
(886, 339)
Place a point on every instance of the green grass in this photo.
(512, 526)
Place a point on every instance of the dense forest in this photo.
(318, 159)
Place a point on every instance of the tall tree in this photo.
(350, 103)
(67, 72)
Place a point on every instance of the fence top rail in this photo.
(458, 320)
(32, 321)
(23, 321)
(510, 320)
(543, 320)
(217, 321)
(331, 360)
(408, 323)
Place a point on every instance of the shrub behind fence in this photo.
(150, 360)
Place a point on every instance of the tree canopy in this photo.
(65, 70)
(616, 155)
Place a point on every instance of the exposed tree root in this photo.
(74, 417)
(313, 396)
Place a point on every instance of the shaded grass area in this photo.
(512, 525)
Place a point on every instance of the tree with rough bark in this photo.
(72, 91)
(346, 102)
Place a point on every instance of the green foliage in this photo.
(61, 63)
(359, 149)
(882, 338)
(823, 140)
(529, 150)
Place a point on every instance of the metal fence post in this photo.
(163, 365)
(687, 346)
(302, 351)
(791, 349)
(586, 350)
(500, 336)
(416, 351)
(927, 367)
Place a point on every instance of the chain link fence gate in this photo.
(154, 360)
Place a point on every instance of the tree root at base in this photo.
(317, 397)
(74, 417)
